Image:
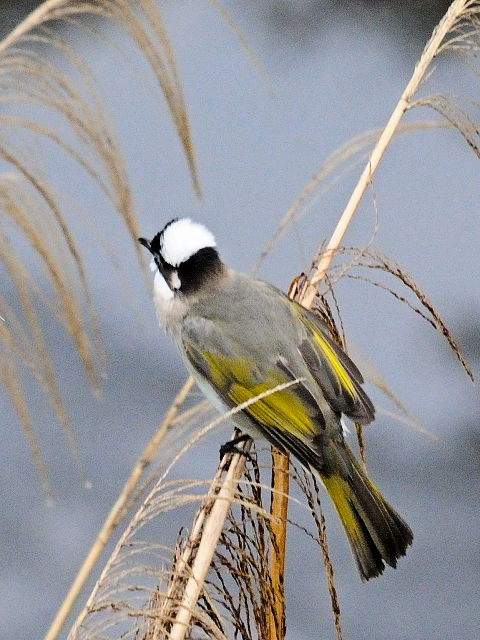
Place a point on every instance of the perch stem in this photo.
(431, 49)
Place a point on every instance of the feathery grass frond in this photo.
(183, 593)
(354, 151)
(142, 20)
(370, 259)
(117, 513)
(460, 14)
(227, 17)
(186, 584)
(50, 99)
(463, 43)
(12, 382)
(22, 328)
(463, 113)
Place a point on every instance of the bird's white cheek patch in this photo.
(175, 281)
(161, 291)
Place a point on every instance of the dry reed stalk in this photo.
(280, 486)
(117, 513)
(278, 531)
(169, 602)
(430, 51)
(213, 525)
(309, 292)
(211, 532)
(201, 523)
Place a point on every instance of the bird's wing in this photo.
(334, 372)
(289, 418)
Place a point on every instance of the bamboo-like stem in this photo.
(278, 528)
(431, 49)
(181, 565)
(278, 532)
(116, 513)
(212, 530)
(214, 518)
(211, 525)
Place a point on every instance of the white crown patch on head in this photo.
(181, 239)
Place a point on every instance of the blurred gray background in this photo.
(335, 69)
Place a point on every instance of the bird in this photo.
(241, 337)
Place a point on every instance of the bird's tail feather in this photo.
(377, 534)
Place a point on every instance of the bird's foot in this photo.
(231, 446)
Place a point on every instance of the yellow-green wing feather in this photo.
(288, 418)
(238, 380)
(334, 372)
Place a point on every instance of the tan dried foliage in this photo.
(216, 581)
(41, 69)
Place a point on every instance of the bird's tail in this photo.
(377, 534)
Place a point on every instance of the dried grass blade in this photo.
(313, 498)
(280, 484)
(13, 385)
(212, 530)
(431, 49)
(382, 262)
(354, 146)
(117, 513)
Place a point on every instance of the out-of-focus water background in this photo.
(333, 70)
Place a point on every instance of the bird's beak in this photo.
(146, 243)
